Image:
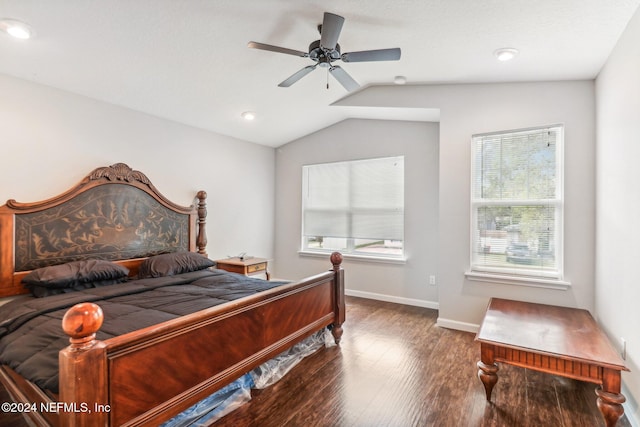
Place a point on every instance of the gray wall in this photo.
(477, 108)
(51, 139)
(360, 139)
(618, 202)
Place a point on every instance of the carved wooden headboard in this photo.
(114, 213)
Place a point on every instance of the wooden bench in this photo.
(557, 340)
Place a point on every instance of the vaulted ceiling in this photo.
(188, 61)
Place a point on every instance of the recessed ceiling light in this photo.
(400, 80)
(506, 54)
(16, 29)
(248, 115)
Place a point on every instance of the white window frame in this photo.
(350, 251)
(521, 276)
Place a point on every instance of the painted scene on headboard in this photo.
(111, 222)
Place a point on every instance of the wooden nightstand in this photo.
(246, 266)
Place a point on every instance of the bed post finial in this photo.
(201, 240)
(336, 260)
(81, 322)
(83, 368)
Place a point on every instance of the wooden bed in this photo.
(152, 374)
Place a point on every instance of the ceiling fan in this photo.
(327, 50)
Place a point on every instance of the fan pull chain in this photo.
(327, 78)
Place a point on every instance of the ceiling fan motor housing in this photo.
(323, 55)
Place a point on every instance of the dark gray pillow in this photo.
(173, 263)
(73, 276)
(43, 291)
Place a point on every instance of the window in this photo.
(517, 203)
(355, 207)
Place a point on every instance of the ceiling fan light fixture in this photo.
(248, 115)
(506, 53)
(16, 29)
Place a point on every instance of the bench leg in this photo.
(610, 405)
(487, 369)
(488, 376)
(610, 399)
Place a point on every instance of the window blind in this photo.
(361, 199)
(517, 202)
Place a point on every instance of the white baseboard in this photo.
(391, 298)
(631, 409)
(445, 323)
(460, 326)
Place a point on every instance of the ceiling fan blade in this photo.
(297, 76)
(344, 78)
(263, 46)
(331, 27)
(372, 55)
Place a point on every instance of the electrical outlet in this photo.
(432, 280)
(623, 348)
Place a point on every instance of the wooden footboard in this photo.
(150, 375)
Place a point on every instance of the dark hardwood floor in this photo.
(396, 368)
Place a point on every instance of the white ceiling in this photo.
(188, 61)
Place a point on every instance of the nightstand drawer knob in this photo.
(257, 267)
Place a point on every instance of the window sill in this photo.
(535, 282)
(354, 257)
